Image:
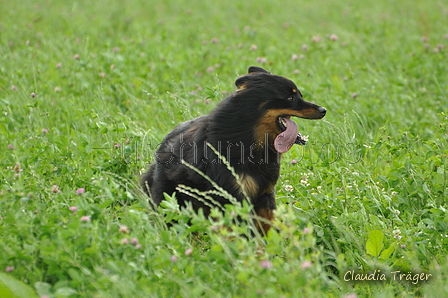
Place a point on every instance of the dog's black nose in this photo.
(322, 110)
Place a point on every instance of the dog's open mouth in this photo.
(289, 135)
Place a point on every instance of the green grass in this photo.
(378, 162)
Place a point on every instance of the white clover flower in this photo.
(289, 188)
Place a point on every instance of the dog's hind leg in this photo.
(155, 183)
(147, 179)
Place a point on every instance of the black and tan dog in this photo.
(251, 128)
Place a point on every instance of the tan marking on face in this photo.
(267, 126)
(310, 113)
(294, 90)
(242, 86)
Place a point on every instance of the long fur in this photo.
(242, 128)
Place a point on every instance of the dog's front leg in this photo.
(264, 208)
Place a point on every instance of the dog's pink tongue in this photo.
(284, 141)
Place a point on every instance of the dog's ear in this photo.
(257, 69)
(241, 82)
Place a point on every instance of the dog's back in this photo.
(167, 172)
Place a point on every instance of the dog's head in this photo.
(277, 99)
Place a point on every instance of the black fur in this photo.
(242, 128)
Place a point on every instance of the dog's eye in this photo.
(290, 97)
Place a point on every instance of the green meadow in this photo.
(88, 89)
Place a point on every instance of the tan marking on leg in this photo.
(266, 214)
(249, 184)
(270, 188)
